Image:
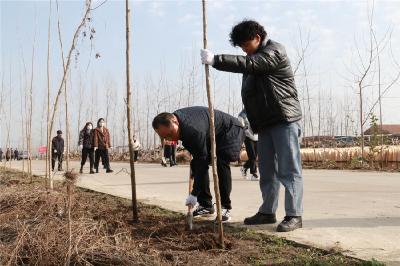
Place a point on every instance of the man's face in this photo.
(251, 46)
(59, 135)
(170, 132)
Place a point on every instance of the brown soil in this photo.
(34, 231)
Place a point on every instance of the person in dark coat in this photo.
(57, 148)
(101, 144)
(16, 154)
(270, 98)
(136, 148)
(1, 155)
(191, 125)
(250, 143)
(173, 152)
(8, 154)
(167, 152)
(86, 145)
(12, 154)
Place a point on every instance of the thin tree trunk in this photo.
(48, 148)
(66, 68)
(128, 113)
(65, 92)
(212, 133)
(31, 110)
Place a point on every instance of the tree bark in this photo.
(212, 134)
(128, 113)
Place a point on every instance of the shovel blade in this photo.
(189, 221)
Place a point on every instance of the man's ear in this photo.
(175, 121)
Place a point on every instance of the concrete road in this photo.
(356, 212)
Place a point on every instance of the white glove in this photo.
(81, 146)
(111, 147)
(207, 57)
(95, 148)
(191, 200)
(55, 151)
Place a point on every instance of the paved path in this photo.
(357, 212)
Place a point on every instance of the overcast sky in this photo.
(166, 32)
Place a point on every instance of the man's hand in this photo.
(191, 200)
(81, 146)
(207, 57)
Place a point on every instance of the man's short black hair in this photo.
(246, 31)
(162, 119)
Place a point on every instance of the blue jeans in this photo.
(280, 162)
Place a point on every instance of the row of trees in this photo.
(325, 112)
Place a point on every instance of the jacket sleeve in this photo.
(259, 63)
(95, 139)
(109, 138)
(53, 145)
(80, 142)
(62, 146)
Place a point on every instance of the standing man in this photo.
(101, 144)
(16, 153)
(136, 148)
(57, 147)
(251, 148)
(1, 155)
(86, 144)
(270, 98)
(173, 152)
(192, 126)
(8, 154)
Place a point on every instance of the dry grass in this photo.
(34, 231)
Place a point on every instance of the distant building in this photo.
(389, 130)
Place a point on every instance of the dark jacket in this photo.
(86, 139)
(57, 144)
(101, 139)
(194, 128)
(269, 92)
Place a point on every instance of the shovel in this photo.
(189, 216)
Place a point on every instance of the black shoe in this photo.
(91, 171)
(225, 216)
(109, 171)
(201, 211)
(81, 171)
(260, 218)
(60, 169)
(97, 170)
(290, 223)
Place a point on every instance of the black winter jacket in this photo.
(194, 128)
(86, 139)
(57, 144)
(269, 92)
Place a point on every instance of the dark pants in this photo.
(59, 157)
(85, 153)
(225, 185)
(251, 149)
(169, 153)
(173, 154)
(104, 158)
(135, 155)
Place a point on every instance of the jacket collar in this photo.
(264, 43)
